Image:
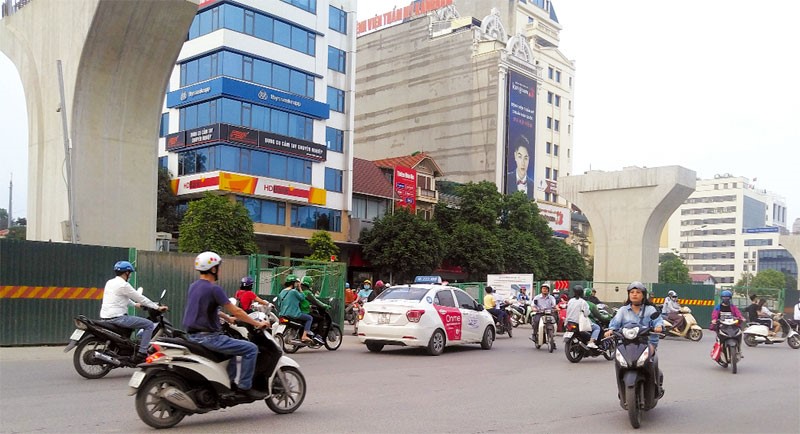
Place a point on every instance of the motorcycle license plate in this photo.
(136, 379)
(567, 335)
(384, 318)
(76, 335)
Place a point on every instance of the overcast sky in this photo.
(710, 85)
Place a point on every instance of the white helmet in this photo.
(206, 261)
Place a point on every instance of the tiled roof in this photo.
(369, 180)
(701, 277)
(410, 161)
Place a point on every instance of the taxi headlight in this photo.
(643, 358)
(630, 333)
(621, 360)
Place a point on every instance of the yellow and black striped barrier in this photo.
(51, 292)
(685, 302)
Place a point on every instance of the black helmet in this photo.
(577, 291)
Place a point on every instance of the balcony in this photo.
(428, 196)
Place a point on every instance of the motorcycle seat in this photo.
(198, 349)
(122, 331)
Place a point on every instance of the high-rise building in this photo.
(260, 109)
(480, 86)
(724, 225)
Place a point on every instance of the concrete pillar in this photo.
(792, 245)
(627, 211)
(117, 56)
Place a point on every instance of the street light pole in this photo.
(686, 250)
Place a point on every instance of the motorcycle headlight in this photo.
(643, 358)
(621, 360)
(630, 333)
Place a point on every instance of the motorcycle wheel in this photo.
(84, 361)
(750, 340)
(286, 398)
(794, 342)
(154, 410)
(632, 402)
(488, 338)
(514, 322)
(436, 343)
(374, 348)
(573, 351)
(695, 335)
(334, 338)
(608, 353)
(291, 334)
(734, 359)
(508, 329)
(550, 341)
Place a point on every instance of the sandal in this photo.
(306, 340)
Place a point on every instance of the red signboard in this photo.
(405, 187)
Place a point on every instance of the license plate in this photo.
(76, 335)
(384, 318)
(567, 335)
(136, 379)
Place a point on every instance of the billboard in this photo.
(405, 187)
(508, 285)
(520, 134)
(558, 217)
(257, 186)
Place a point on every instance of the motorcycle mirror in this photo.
(234, 301)
(654, 315)
(140, 290)
(163, 293)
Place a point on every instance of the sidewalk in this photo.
(15, 354)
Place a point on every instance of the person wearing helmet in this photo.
(366, 293)
(202, 325)
(592, 297)
(577, 307)
(725, 305)
(542, 302)
(491, 305)
(117, 295)
(305, 306)
(765, 316)
(672, 310)
(379, 287)
(290, 300)
(596, 316)
(246, 296)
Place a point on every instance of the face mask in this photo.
(366, 286)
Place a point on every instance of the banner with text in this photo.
(405, 187)
(558, 217)
(520, 134)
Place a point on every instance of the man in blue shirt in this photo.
(201, 321)
(542, 302)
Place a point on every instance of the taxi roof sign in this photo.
(428, 279)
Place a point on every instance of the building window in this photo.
(163, 128)
(264, 211)
(368, 209)
(558, 100)
(555, 198)
(549, 122)
(306, 5)
(333, 179)
(550, 72)
(424, 182)
(337, 20)
(312, 217)
(547, 197)
(246, 115)
(549, 97)
(558, 76)
(336, 99)
(334, 139)
(555, 150)
(570, 82)
(556, 125)
(336, 59)
(547, 173)
(163, 162)
(547, 147)
(242, 160)
(555, 174)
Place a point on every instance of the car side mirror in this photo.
(479, 307)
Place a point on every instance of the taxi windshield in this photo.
(414, 293)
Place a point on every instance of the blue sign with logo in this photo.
(761, 230)
(428, 279)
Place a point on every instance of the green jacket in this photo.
(305, 305)
(597, 316)
(289, 301)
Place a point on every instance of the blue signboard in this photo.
(428, 279)
(224, 86)
(520, 134)
(761, 230)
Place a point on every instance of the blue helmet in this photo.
(726, 293)
(247, 282)
(123, 266)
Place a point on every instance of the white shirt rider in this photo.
(117, 296)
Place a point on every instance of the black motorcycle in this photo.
(638, 378)
(500, 326)
(101, 346)
(729, 337)
(576, 344)
(288, 332)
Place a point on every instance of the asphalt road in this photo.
(511, 388)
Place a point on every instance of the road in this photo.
(511, 388)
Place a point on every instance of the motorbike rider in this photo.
(592, 296)
(379, 287)
(765, 315)
(638, 309)
(542, 302)
(576, 307)
(725, 305)
(289, 301)
(596, 315)
(201, 321)
(366, 293)
(672, 309)
(305, 306)
(490, 303)
(247, 296)
(117, 295)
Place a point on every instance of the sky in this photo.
(709, 85)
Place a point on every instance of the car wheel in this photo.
(374, 348)
(436, 343)
(488, 338)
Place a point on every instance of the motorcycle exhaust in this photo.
(106, 358)
(179, 398)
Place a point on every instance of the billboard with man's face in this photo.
(520, 134)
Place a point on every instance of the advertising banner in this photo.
(520, 134)
(292, 146)
(239, 135)
(558, 217)
(199, 136)
(251, 185)
(508, 285)
(176, 140)
(405, 187)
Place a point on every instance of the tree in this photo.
(17, 233)
(673, 270)
(403, 244)
(564, 262)
(322, 246)
(167, 219)
(3, 218)
(477, 249)
(745, 280)
(772, 279)
(215, 223)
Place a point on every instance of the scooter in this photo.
(638, 378)
(729, 339)
(576, 344)
(757, 333)
(503, 327)
(691, 330)
(288, 332)
(182, 378)
(517, 313)
(543, 335)
(101, 346)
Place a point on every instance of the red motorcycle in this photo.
(562, 311)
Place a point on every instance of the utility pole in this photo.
(10, 200)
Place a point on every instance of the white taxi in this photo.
(425, 315)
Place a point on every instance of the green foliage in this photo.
(403, 244)
(673, 270)
(745, 280)
(17, 233)
(167, 219)
(773, 279)
(564, 262)
(477, 249)
(522, 253)
(215, 223)
(669, 256)
(322, 246)
(481, 203)
(3, 218)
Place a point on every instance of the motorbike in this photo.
(576, 344)
(182, 378)
(288, 332)
(638, 378)
(101, 346)
(503, 327)
(543, 335)
(690, 330)
(757, 333)
(729, 339)
(518, 313)
(351, 313)
(562, 315)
